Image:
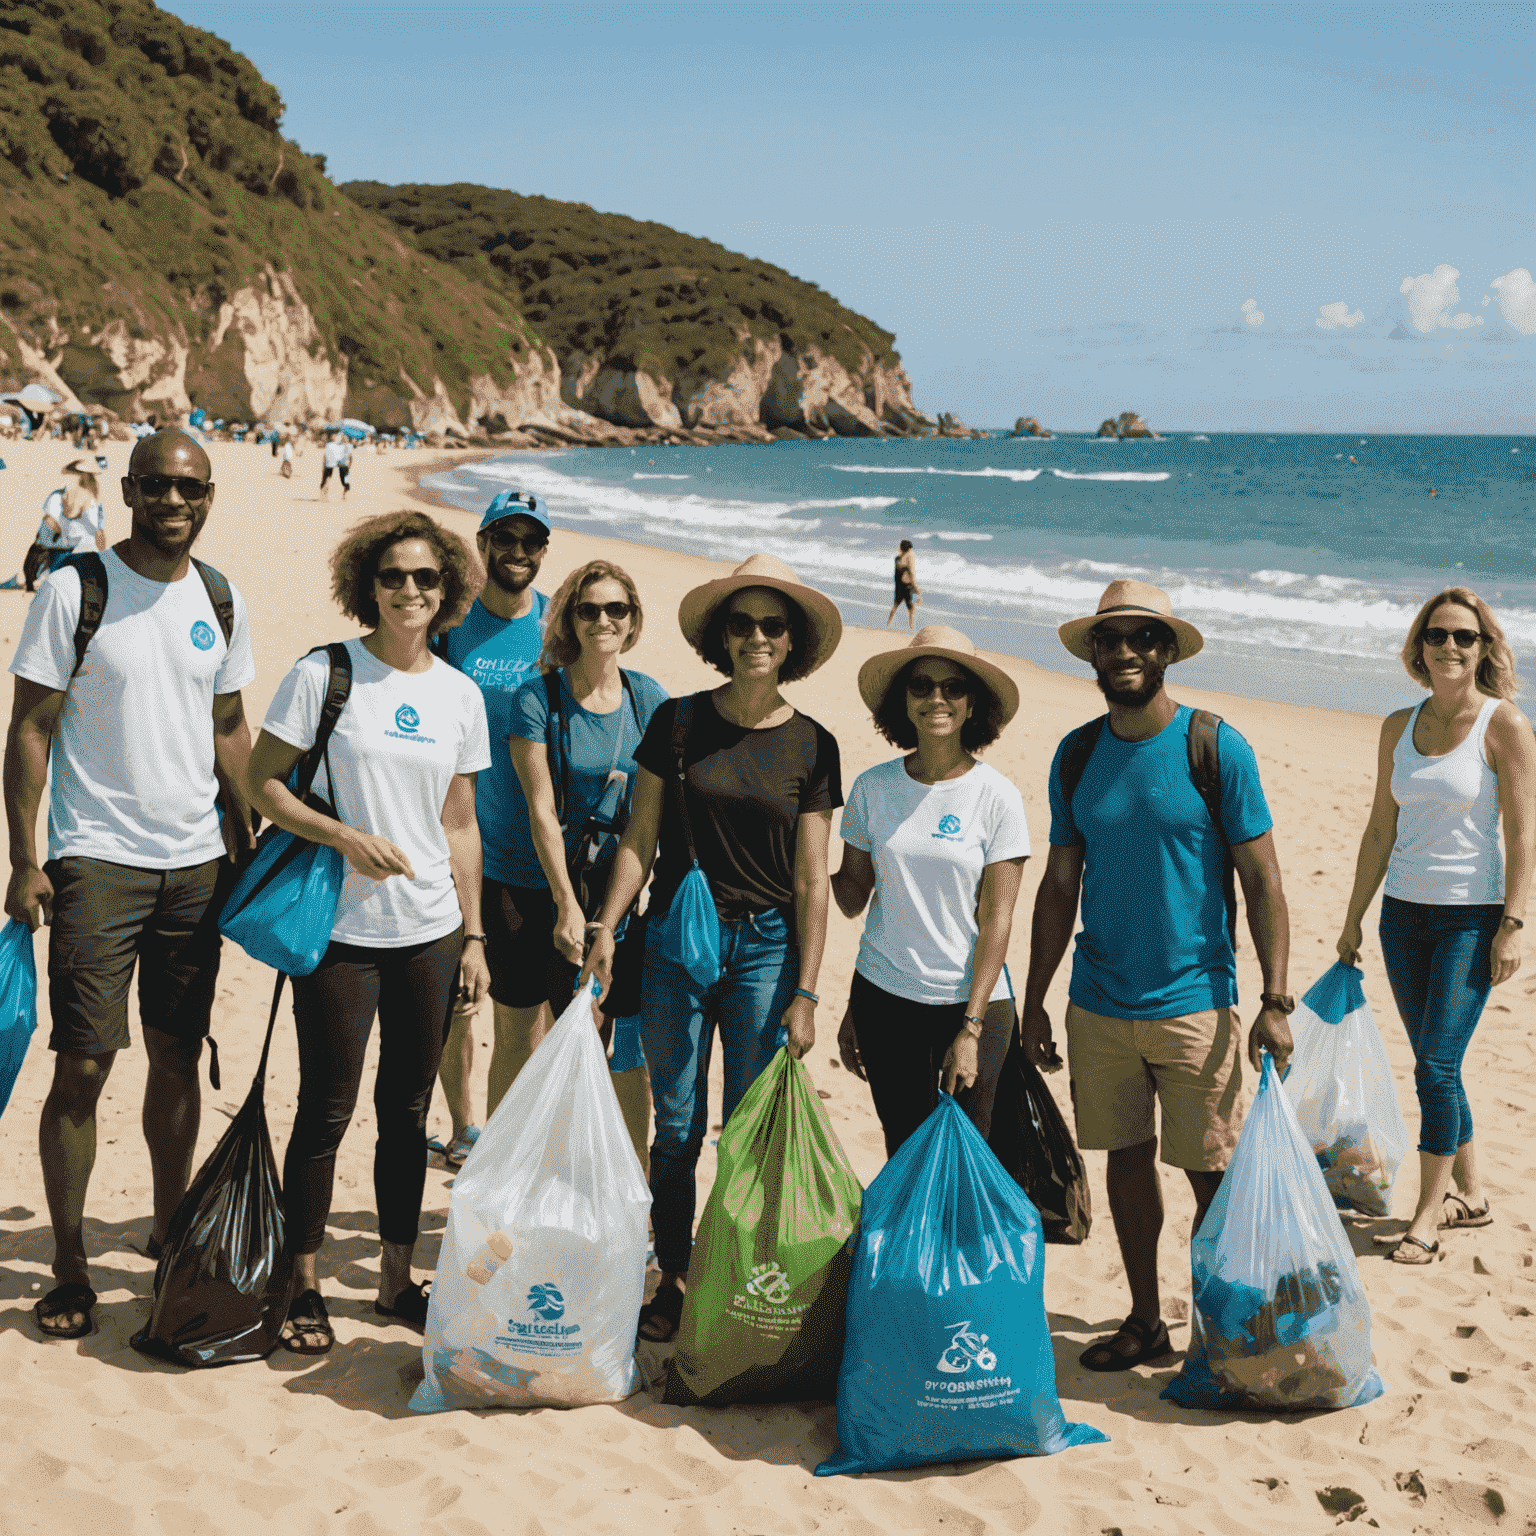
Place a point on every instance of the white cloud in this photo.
(1430, 296)
(1336, 317)
(1486, 301)
(1252, 313)
(1517, 299)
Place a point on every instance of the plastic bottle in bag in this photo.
(542, 1269)
(18, 1003)
(948, 1355)
(1280, 1318)
(768, 1281)
(1340, 1083)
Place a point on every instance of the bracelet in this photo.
(474, 938)
(1508, 919)
(979, 1020)
(801, 992)
(597, 927)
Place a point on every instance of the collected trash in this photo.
(947, 1355)
(18, 1003)
(768, 1282)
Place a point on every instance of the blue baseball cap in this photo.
(515, 504)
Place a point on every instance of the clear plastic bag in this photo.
(1280, 1318)
(1340, 1083)
(542, 1269)
(18, 1003)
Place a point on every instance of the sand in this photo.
(98, 1437)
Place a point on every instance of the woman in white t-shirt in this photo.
(938, 841)
(400, 771)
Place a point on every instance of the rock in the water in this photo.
(1126, 424)
(1027, 426)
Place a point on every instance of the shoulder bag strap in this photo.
(93, 601)
(554, 747)
(1074, 761)
(1205, 775)
(682, 721)
(217, 586)
(338, 688)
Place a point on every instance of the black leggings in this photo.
(903, 1044)
(412, 991)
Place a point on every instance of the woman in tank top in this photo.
(1450, 772)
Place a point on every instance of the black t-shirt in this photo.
(746, 791)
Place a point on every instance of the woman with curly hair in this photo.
(740, 783)
(575, 730)
(934, 842)
(1449, 772)
(400, 773)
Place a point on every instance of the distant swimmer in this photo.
(907, 589)
(1433, 491)
(1351, 458)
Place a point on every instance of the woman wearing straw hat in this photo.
(73, 522)
(934, 842)
(740, 784)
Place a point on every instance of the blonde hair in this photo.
(1496, 675)
(561, 647)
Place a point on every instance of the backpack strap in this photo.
(554, 747)
(1075, 753)
(338, 688)
(216, 584)
(92, 571)
(1205, 775)
(682, 722)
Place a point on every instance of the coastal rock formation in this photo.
(950, 425)
(1126, 424)
(1027, 426)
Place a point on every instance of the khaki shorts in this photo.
(1192, 1064)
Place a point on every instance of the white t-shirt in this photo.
(398, 744)
(335, 454)
(75, 533)
(133, 779)
(929, 844)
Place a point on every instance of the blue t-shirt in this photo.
(585, 749)
(498, 655)
(1154, 942)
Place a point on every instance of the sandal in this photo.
(1420, 1252)
(69, 1300)
(307, 1315)
(666, 1307)
(458, 1149)
(1463, 1215)
(1151, 1344)
(409, 1307)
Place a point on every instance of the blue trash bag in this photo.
(947, 1354)
(283, 907)
(1280, 1318)
(691, 929)
(18, 1003)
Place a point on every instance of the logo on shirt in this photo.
(407, 720)
(202, 636)
(949, 825)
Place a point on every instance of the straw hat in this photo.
(1134, 599)
(823, 621)
(937, 640)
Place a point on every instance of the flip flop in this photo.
(458, 1149)
(409, 1307)
(61, 1301)
(1151, 1344)
(1463, 1215)
(1419, 1253)
(307, 1314)
(666, 1306)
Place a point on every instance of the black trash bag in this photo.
(1031, 1140)
(221, 1288)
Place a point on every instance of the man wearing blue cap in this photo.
(497, 646)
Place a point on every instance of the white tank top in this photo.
(1447, 852)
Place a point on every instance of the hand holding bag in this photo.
(18, 1003)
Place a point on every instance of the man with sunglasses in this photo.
(497, 647)
(1152, 1002)
(144, 731)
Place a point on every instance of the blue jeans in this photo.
(759, 971)
(1438, 961)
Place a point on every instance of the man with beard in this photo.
(1151, 1014)
(145, 731)
(497, 646)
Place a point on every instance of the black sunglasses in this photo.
(426, 579)
(1143, 640)
(509, 538)
(740, 625)
(589, 613)
(1465, 639)
(155, 487)
(953, 688)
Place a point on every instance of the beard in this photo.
(166, 543)
(1134, 698)
(508, 582)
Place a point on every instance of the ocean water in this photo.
(1302, 559)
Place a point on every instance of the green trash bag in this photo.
(767, 1284)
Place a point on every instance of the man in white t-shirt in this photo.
(143, 733)
(338, 457)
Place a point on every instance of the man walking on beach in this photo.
(907, 589)
(497, 646)
(1152, 1011)
(338, 458)
(145, 728)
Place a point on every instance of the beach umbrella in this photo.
(355, 428)
(33, 394)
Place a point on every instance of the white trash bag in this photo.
(542, 1270)
(1340, 1083)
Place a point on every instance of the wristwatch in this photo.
(973, 1024)
(1278, 1000)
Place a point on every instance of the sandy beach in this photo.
(97, 1437)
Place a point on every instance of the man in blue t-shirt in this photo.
(497, 646)
(1151, 1015)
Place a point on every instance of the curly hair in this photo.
(561, 647)
(1496, 675)
(355, 563)
(981, 728)
(799, 663)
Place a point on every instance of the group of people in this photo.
(503, 791)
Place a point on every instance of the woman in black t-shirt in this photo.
(755, 798)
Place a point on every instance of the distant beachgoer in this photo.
(338, 457)
(400, 773)
(139, 861)
(907, 589)
(286, 466)
(935, 843)
(1449, 772)
(753, 803)
(73, 520)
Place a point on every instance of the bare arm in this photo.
(631, 869)
(1269, 921)
(995, 903)
(813, 832)
(34, 714)
(531, 761)
(1050, 932)
(231, 753)
(463, 834)
(1512, 756)
(1376, 842)
(854, 882)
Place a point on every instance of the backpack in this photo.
(1204, 774)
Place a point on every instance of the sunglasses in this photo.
(589, 613)
(952, 688)
(508, 538)
(426, 579)
(740, 625)
(156, 487)
(1143, 641)
(1466, 639)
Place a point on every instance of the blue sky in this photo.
(1060, 211)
